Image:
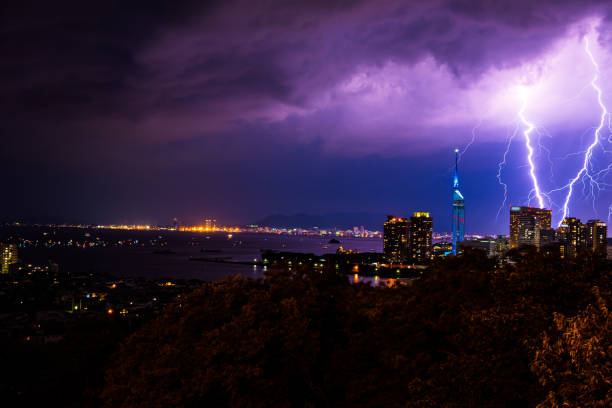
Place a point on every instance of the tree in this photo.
(573, 361)
(464, 335)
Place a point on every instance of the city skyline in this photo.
(306, 203)
(528, 225)
(291, 108)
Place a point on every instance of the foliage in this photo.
(573, 363)
(467, 334)
(69, 373)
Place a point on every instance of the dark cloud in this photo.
(156, 88)
(115, 57)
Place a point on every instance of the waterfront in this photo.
(133, 253)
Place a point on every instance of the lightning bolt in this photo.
(470, 143)
(467, 146)
(500, 167)
(527, 133)
(586, 164)
(543, 132)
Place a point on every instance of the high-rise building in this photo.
(547, 236)
(458, 220)
(421, 231)
(9, 256)
(571, 234)
(596, 237)
(396, 232)
(526, 224)
(574, 237)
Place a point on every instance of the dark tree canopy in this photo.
(468, 334)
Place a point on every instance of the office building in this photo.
(571, 235)
(396, 232)
(421, 232)
(596, 237)
(9, 256)
(526, 225)
(458, 220)
(575, 237)
(547, 237)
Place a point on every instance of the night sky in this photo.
(127, 111)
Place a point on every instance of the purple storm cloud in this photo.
(204, 93)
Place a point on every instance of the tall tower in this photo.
(458, 221)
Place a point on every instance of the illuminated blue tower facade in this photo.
(458, 222)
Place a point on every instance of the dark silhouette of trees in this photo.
(67, 374)
(467, 334)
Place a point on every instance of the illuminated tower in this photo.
(458, 222)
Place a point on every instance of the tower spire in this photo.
(456, 158)
(456, 177)
(458, 220)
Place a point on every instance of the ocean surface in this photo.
(124, 253)
(132, 253)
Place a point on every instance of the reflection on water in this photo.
(378, 281)
(172, 260)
